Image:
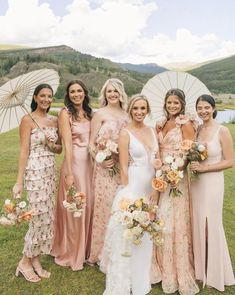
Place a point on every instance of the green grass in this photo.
(63, 281)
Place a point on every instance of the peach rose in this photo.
(159, 184)
(173, 177)
(26, 216)
(10, 208)
(124, 204)
(186, 145)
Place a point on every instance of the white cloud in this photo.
(112, 28)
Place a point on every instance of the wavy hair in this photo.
(136, 98)
(118, 85)
(86, 102)
(34, 105)
(181, 96)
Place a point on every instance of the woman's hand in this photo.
(107, 163)
(195, 166)
(69, 180)
(17, 190)
(154, 197)
(50, 142)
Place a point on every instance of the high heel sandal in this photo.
(42, 273)
(33, 278)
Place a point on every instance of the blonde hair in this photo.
(118, 85)
(136, 98)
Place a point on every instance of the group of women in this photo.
(194, 245)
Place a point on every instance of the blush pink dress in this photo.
(73, 234)
(175, 257)
(207, 203)
(105, 187)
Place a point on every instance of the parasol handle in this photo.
(31, 117)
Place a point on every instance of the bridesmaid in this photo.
(106, 124)
(211, 255)
(37, 166)
(175, 257)
(72, 235)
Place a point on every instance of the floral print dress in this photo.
(105, 187)
(40, 184)
(175, 257)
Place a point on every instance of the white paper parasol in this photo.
(16, 96)
(156, 88)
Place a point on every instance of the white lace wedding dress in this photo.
(130, 274)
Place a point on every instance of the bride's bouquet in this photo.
(75, 201)
(15, 212)
(194, 151)
(105, 151)
(169, 175)
(139, 217)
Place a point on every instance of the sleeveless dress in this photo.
(175, 256)
(71, 245)
(207, 204)
(126, 274)
(40, 184)
(105, 187)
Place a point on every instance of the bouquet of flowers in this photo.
(139, 217)
(169, 175)
(106, 149)
(14, 212)
(75, 201)
(194, 151)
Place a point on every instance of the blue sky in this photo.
(137, 31)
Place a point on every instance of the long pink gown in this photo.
(105, 187)
(207, 203)
(175, 257)
(72, 239)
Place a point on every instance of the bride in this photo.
(138, 149)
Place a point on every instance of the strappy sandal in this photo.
(33, 277)
(42, 273)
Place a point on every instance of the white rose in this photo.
(158, 173)
(5, 221)
(201, 148)
(22, 204)
(77, 213)
(179, 162)
(174, 166)
(136, 230)
(181, 174)
(169, 159)
(100, 157)
(112, 146)
(7, 202)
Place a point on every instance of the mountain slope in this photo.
(218, 76)
(143, 68)
(70, 64)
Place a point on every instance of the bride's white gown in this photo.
(126, 274)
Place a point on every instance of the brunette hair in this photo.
(34, 105)
(181, 96)
(68, 103)
(208, 98)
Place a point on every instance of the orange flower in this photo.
(26, 216)
(159, 184)
(173, 177)
(10, 208)
(186, 145)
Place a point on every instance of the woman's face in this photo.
(44, 98)
(76, 94)
(139, 110)
(173, 105)
(112, 95)
(205, 110)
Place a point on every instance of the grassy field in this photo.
(63, 281)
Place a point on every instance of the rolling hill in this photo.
(70, 64)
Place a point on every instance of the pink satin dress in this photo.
(72, 239)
